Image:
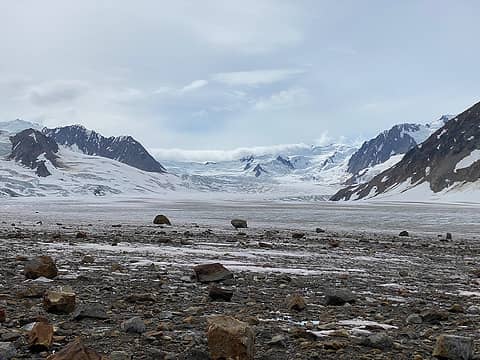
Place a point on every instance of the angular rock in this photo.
(453, 347)
(134, 325)
(40, 266)
(296, 303)
(239, 223)
(298, 235)
(339, 297)
(161, 220)
(40, 338)
(229, 338)
(76, 350)
(212, 273)
(414, 319)
(320, 230)
(90, 311)
(404, 233)
(7, 351)
(219, 294)
(59, 302)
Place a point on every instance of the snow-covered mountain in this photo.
(446, 164)
(122, 148)
(15, 126)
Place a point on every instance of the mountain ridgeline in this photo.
(448, 158)
(124, 149)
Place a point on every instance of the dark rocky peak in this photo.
(248, 161)
(32, 149)
(259, 170)
(285, 162)
(124, 149)
(450, 156)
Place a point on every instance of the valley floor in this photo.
(392, 277)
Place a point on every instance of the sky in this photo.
(220, 75)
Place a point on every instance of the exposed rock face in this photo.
(123, 148)
(229, 338)
(446, 158)
(29, 145)
(41, 266)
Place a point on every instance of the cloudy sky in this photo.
(217, 74)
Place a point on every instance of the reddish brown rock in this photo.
(296, 303)
(59, 302)
(229, 338)
(40, 266)
(212, 273)
(40, 338)
(76, 350)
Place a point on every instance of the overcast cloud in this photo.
(219, 75)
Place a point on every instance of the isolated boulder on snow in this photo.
(161, 220)
(239, 223)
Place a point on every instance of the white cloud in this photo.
(256, 77)
(53, 92)
(194, 85)
(294, 97)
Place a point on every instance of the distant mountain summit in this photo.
(397, 140)
(33, 149)
(18, 125)
(448, 159)
(124, 149)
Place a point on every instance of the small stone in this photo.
(298, 235)
(456, 308)
(87, 259)
(277, 340)
(41, 266)
(76, 350)
(229, 338)
(40, 338)
(120, 355)
(90, 311)
(212, 273)
(59, 302)
(134, 325)
(339, 297)
(7, 351)
(403, 273)
(414, 319)
(219, 294)
(378, 341)
(139, 298)
(404, 234)
(296, 303)
(161, 220)
(3, 315)
(453, 347)
(239, 223)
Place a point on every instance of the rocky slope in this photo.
(33, 149)
(446, 160)
(124, 149)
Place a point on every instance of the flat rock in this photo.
(239, 223)
(212, 273)
(339, 297)
(90, 311)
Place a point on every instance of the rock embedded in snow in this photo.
(404, 234)
(229, 338)
(40, 266)
(452, 347)
(298, 235)
(161, 220)
(212, 273)
(239, 223)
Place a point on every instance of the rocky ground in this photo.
(400, 293)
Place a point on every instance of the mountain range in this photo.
(68, 160)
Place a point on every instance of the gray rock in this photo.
(453, 347)
(7, 351)
(473, 309)
(212, 273)
(239, 223)
(404, 233)
(161, 220)
(91, 311)
(339, 297)
(414, 319)
(378, 341)
(134, 325)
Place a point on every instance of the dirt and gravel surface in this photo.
(406, 291)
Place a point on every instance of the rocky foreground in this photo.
(116, 291)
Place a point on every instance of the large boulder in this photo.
(76, 350)
(59, 302)
(212, 273)
(40, 338)
(40, 266)
(339, 297)
(161, 220)
(239, 223)
(220, 294)
(453, 347)
(229, 338)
